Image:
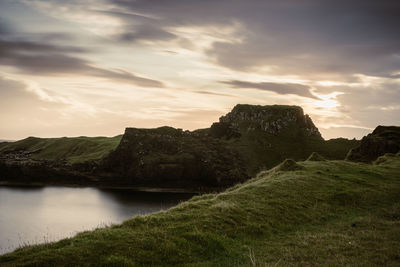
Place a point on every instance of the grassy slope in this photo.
(331, 213)
(74, 149)
(263, 151)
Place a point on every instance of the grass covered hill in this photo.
(71, 149)
(308, 213)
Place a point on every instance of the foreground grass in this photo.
(324, 213)
(71, 149)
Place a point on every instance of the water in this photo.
(43, 214)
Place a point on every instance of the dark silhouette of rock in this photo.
(384, 139)
(244, 141)
(275, 120)
(169, 157)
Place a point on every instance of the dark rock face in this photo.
(246, 140)
(384, 139)
(275, 120)
(168, 157)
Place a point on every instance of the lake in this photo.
(32, 215)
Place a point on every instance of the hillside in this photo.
(306, 213)
(70, 149)
(248, 139)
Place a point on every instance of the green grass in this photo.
(71, 149)
(332, 213)
(262, 151)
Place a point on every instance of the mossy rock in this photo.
(316, 157)
(384, 158)
(289, 165)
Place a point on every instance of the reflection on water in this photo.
(30, 215)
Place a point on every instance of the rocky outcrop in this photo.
(384, 139)
(274, 120)
(169, 157)
(243, 142)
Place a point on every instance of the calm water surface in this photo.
(43, 214)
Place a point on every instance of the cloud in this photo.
(320, 44)
(11, 89)
(279, 88)
(19, 102)
(4, 26)
(145, 33)
(329, 39)
(334, 39)
(372, 105)
(47, 60)
(213, 93)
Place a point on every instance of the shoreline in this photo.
(133, 188)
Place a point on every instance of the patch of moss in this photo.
(384, 158)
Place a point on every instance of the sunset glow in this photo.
(72, 68)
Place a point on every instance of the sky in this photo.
(95, 67)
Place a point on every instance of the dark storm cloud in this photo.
(279, 88)
(317, 38)
(46, 60)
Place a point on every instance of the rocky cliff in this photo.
(274, 120)
(169, 157)
(384, 139)
(266, 135)
(243, 142)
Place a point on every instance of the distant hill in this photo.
(5, 140)
(248, 139)
(68, 149)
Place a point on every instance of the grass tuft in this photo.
(288, 165)
(315, 157)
